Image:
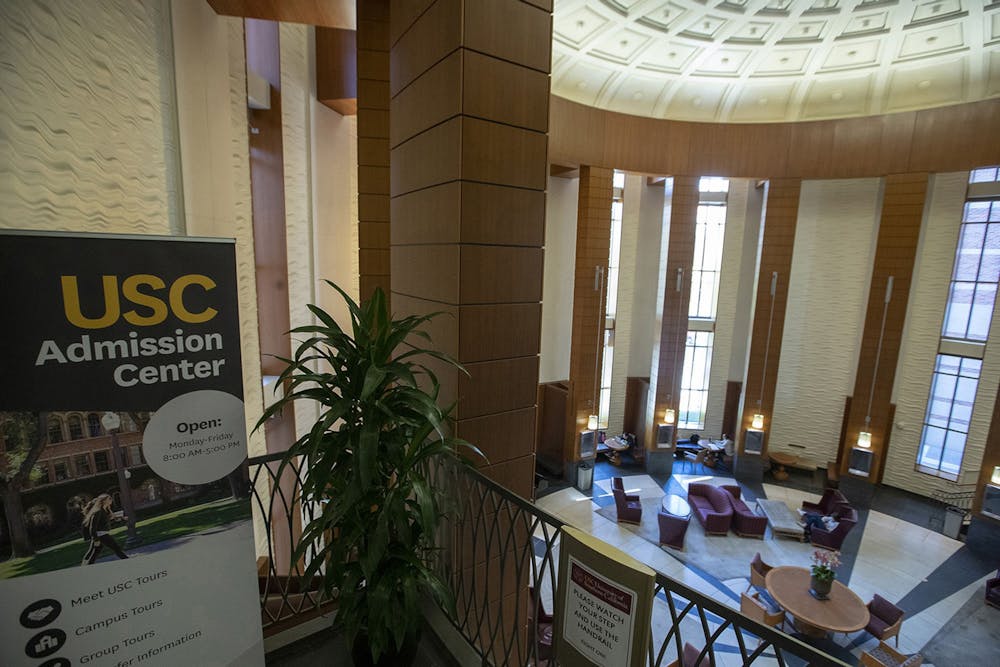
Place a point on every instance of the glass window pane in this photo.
(971, 368)
(951, 458)
(959, 306)
(977, 211)
(984, 175)
(618, 180)
(989, 267)
(969, 249)
(932, 446)
(947, 363)
(995, 211)
(982, 312)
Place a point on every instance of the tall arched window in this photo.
(55, 430)
(75, 423)
(93, 424)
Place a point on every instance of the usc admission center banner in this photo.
(125, 532)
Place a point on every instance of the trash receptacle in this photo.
(585, 476)
(953, 517)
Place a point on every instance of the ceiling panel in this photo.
(774, 60)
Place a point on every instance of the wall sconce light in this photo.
(996, 475)
(669, 416)
(758, 421)
(592, 423)
(865, 439)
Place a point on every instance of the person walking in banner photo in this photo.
(97, 517)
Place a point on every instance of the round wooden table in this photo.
(844, 611)
(782, 459)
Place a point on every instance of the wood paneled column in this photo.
(781, 212)
(669, 344)
(373, 145)
(593, 241)
(469, 123)
(898, 235)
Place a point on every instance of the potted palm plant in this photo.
(379, 427)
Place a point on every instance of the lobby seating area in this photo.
(915, 553)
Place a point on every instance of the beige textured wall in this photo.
(210, 67)
(627, 282)
(827, 294)
(932, 273)
(557, 281)
(88, 137)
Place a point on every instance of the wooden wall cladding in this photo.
(933, 140)
(553, 402)
(895, 254)
(373, 146)
(329, 13)
(468, 177)
(593, 239)
(665, 377)
(337, 69)
(781, 209)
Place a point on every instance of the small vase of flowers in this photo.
(823, 572)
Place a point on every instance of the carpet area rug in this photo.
(721, 556)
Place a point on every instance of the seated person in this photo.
(811, 519)
(728, 446)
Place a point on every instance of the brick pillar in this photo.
(895, 253)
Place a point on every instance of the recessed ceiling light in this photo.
(623, 43)
(852, 53)
(672, 54)
(805, 30)
(753, 30)
(837, 96)
(696, 101)
(706, 25)
(580, 24)
(637, 96)
(924, 85)
(725, 60)
(784, 60)
(931, 39)
(762, 101)
(936, 8)
(865, 23)
(582, 85)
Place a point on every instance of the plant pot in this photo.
(820, 588)
(361, 653)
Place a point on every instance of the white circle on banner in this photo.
(196, 438)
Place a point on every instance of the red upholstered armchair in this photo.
(993, 591)
(831, 498)
(832, 539)
(628, 505)
(690, 658)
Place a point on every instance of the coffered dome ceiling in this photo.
(774, 60)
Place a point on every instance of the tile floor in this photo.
(900, 560)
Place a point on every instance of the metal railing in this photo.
(499, 555)
(285, 598)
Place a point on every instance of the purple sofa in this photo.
(847, 517)
(745, 522)
(712, 507)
